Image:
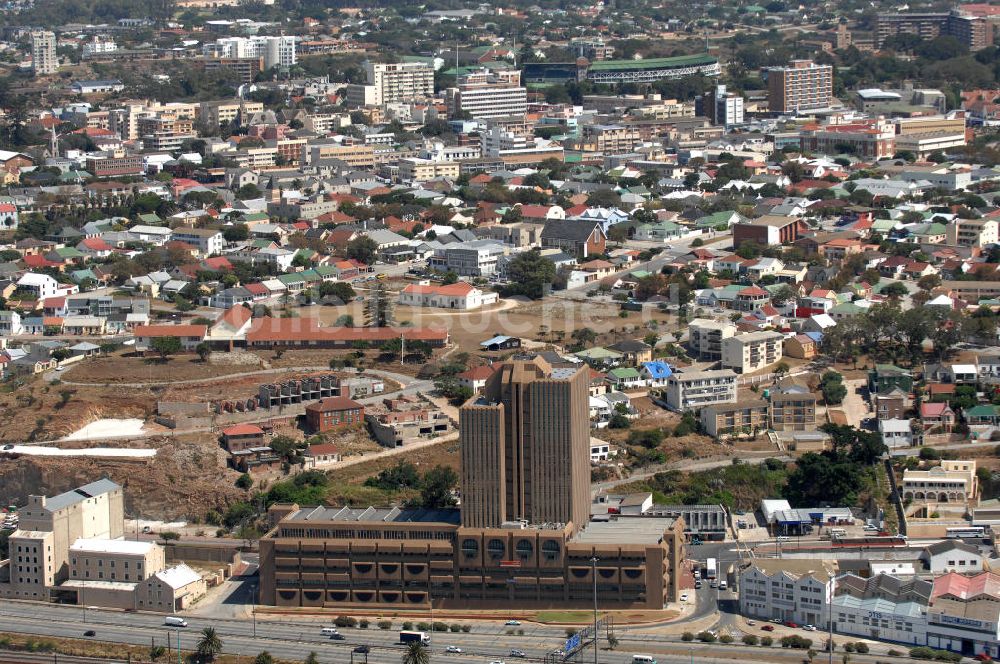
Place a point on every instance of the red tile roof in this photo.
(334, 404)
(243, 430)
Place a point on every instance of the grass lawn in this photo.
(564, 616)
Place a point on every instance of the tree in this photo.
(166, 346)
(416, 653)
(244, 482)
(895, 290)
(363, 249)
(263, 658)
(584, 337)
(311, 658)
(338, 289)
(209, 645)
(529, 274)
(604, 198)
(831, 384)
(929, 282)
(204, 350)
(436, 488)
(236, 233)
(378, 307)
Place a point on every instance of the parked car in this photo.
(767, 628)
(751, 623)
(684, 597)
(789, 623)
(363, 649)
(513, 623)
(809, 628)
(517, 653)
(453, 649)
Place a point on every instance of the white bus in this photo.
(642, 659)
(711, 571)
(966, 532)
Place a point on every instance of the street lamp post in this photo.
(593, 563)
(253, 609)
(178, 645)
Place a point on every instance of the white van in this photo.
(174, 621)
(328, 631)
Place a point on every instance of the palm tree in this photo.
(209, 645)
(416, 653)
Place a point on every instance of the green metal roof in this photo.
(655, 63)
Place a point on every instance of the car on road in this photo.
(90, 632)
(497, 661)
(767, 628)
(60, 368)
(329, 631)
(363, 649)
(809, 628)
(517, 653)
(789, 623)
(513, 623)
(453, 649)
(697, 585)
(684, 597)
(751, 623)
(8, 446)
(337, 637)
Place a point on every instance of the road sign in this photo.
(572, 643)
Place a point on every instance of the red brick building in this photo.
(334, 412)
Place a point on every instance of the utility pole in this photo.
(593, 563)
(178, 645)
(833, 585)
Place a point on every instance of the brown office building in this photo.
(522, 537)
(524, 456)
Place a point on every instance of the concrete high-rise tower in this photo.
(43, 53)
(526, 447)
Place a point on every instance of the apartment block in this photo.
(705, 337)
(746, 353)
(801, 86)
(275, 51)
(215, 113)
(793, 409)
(393, 83)
(486, 94)
(115, 163)
(44, 59)
(733, 419)
(691, 390)
(207, 240)
(421, 170)
(609, 139)
(973, 31)
(972, 232)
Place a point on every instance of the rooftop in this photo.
(376, 515)
(647, 530)
(112, 546)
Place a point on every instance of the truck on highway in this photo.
(407, 636)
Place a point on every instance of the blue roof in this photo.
(499, 339)
(658, 369)
(815, 336)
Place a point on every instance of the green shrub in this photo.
(407, 625)
(766, 641)
(750, 639)
(848, 647)
(345, 621)
(440, 627)
(922, 652)
(455, 627)
(468, 628)
(706, 637)
(725, 638)
(895, 653)
(385, 624)
(423, 626)
(363, 623)
(687, 636)
(861, 647)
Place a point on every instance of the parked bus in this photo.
(407, 636)
(966, 532)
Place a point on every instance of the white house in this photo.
(896, 433)
(208, 240)
(41, 285)
(10, 323)
(952, 556)
(460, 295)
